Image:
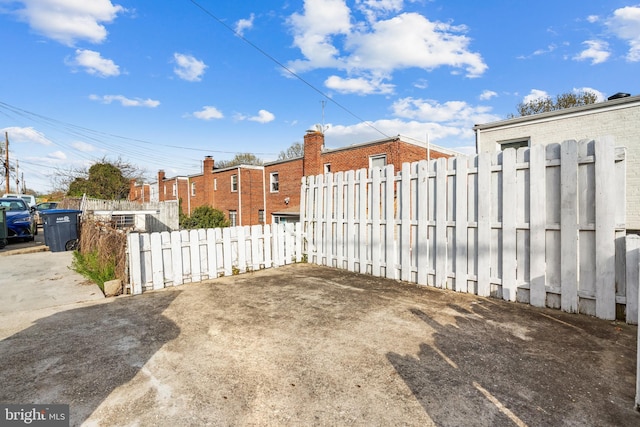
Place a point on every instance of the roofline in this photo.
(401, 138)
(613, 104)
(275, 162)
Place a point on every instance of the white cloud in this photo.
(93, 63)
(327, 38)
(593, 19)
(28, 134)
(244, 24)
(263, 116)
(534, 95)
(125, 102)
(83, 146)
(625, 24)
(597, 52)
(458, 113)
(69, 21)
(58, 155)
(188, 67)
(208, 113)
(360, 85)
(487, 94)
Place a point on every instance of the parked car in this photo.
(30, 199)
(21, 223)
(43, 206)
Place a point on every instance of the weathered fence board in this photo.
(532, 225)
(157, 260)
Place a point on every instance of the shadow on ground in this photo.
(487, 369)
(78, 357)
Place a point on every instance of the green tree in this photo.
(546, 103)
(204, 217)
(239, 159)
(296, 150)
(104, 181)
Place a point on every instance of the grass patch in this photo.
(93, 268)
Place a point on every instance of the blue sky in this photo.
(161, 84)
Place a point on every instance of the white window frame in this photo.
(234, 183)
(193, 188)
(327, 168)
(215, 184)
(375, 158)
(273, 181)
(233, 218)
(174, 189)
(514, 143)
(261, 216)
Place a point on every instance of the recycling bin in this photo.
(3, 228)
(60, 228)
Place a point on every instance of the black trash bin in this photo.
(60, 228)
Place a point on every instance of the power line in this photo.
(287, 69)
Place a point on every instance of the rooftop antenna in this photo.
(323, 102)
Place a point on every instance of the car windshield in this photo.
(13, 205)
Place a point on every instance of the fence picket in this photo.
(509, 252)
(569, 226)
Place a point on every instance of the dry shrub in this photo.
(108, 244)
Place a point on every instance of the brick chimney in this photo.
(207, 165)
(313, 145)
(160, 185)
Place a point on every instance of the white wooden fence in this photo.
(157, 260)
(544, 225)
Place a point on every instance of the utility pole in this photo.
(17, 179)
(6, 164)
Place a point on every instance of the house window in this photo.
(234, 183)
(215, 184)
(193, 188)
(175, 189)
(378, 161)
(516, 143)
(233, 218)
(327, 168)
(275, 186)
(261, 216)
(164, 189)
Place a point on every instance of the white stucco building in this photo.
(618, 117)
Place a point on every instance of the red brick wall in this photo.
(289, 178)
(313, 144)
(252, 199)
(140, 193)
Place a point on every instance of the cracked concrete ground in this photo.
(310, 345)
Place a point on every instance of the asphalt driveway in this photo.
(308, 345)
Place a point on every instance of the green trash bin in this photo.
(60, 228)
(3, 228)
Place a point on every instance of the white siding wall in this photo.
(622, 124)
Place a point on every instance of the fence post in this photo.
(135, 272)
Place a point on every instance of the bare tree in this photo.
(546, 103)
(296, 150)
(239, 159)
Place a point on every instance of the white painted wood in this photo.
(268, 254)
(176, 257)
(340, 221)
(605, 230)
(537, 225)
(364, 244)
(194, 249)
(255, 235)
(483, 248)
(390, 255)
(157, 264)
(227, 252)
(212, 256)
(350, 213)
(167, 270)
(461, 223)
(320, 223)
(404, 208)
(441, 223)
(632, 278)
(376, 250)
(569, 226)
(133, 243)
(423, 218)
(509, 262)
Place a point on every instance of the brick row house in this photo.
(250, 195)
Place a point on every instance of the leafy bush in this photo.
(204, 217)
